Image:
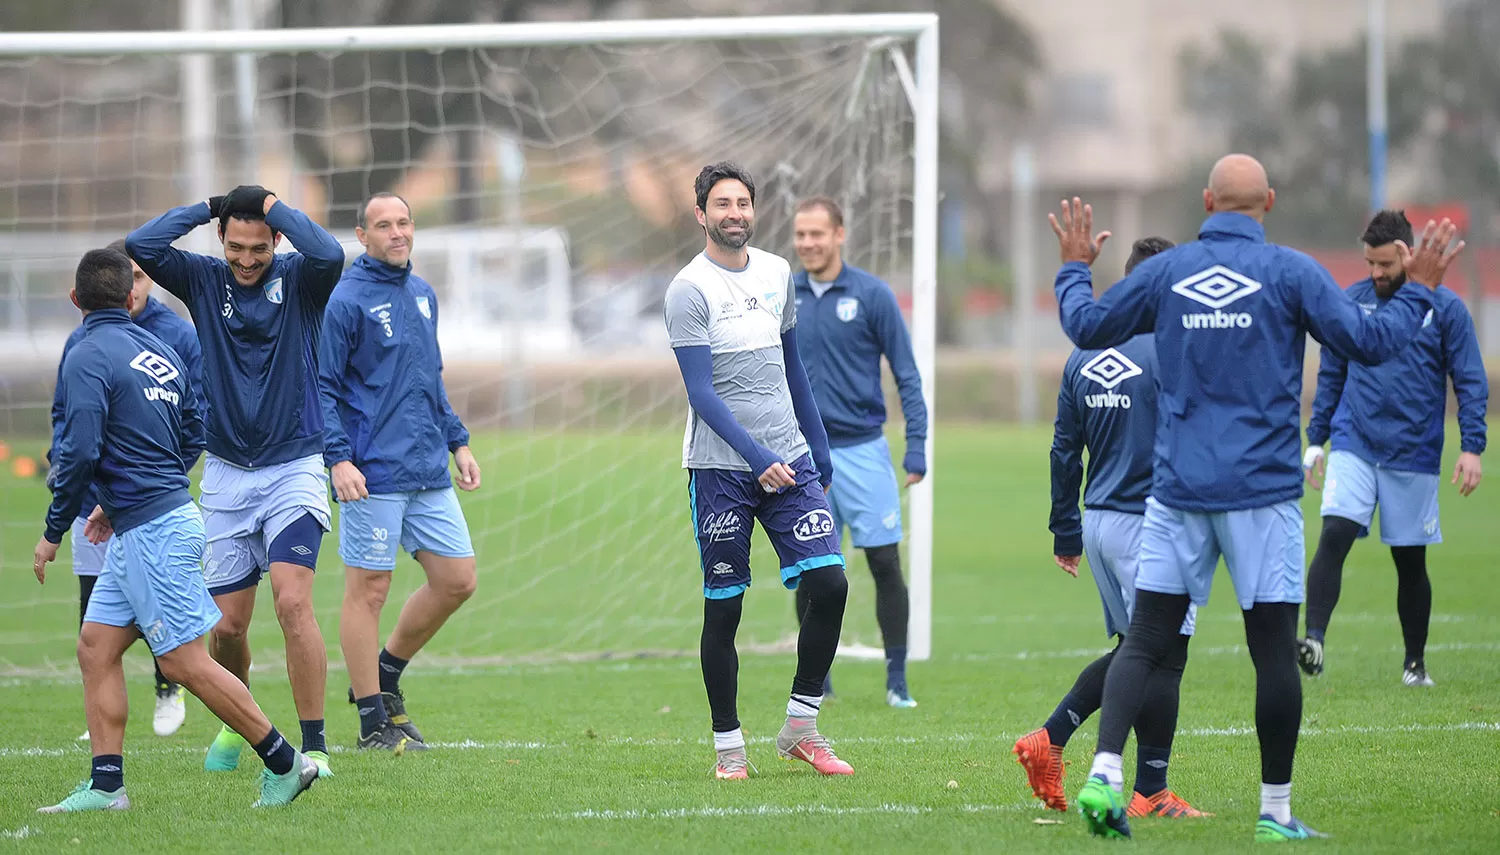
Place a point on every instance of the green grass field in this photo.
(568, 714)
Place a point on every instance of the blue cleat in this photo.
(1268, 830)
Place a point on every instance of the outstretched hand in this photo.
(1075, 238)
(1428, 262)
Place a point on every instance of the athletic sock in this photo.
(109, 772)
(1111, 767)
(1276, 801)
(371, 713)
(312, 736)
(729, 740)
(804, 707)
(1151, 769)
(276, 752)
(390, 671)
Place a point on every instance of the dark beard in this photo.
(1385, 292)
(717, 234)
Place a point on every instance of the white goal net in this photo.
(550, 171)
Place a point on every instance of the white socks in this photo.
(803, 706)
(1111, 766)
(729, 740)
(1276, 801)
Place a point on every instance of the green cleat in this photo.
(1104, 809)
(1268, 830)
(277, 790)
(320, 759)
(85, 797)
(224, 753)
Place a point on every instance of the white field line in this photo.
(81, 749)
(787, 810)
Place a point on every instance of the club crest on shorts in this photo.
(846, 309)
(424, 307)
(273, 290)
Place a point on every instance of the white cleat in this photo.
(171, 709)
(85, 736)
(1416, 675)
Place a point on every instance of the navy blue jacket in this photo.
(130, 418)
(381, 382)
(260, 344)
(1391, 414)
(166, 325)
(842, 336)
(1107, 406)
(1231, 314)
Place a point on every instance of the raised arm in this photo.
(1126, 310)
(896, 344)
(322, 256)
(1066, 521)
(1341, 325)
(151, 247)
(80, 440)
(333, 358)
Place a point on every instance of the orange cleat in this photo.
(1165, 803)
(732, 765)
(805, 743)
(1043, 763)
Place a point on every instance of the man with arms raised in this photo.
(130, 419)
(264, 488)
(754, 449)
(389, 431)
(1231, 313)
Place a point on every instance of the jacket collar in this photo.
(803, 281)
(153, 308)
(100, 317)
(375, 270)
(1230, 225)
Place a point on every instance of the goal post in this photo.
(569, 406)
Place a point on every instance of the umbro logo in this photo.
(722, 569)
(1109, 369)
(301, 550)
(1216, 287)
(158, 368)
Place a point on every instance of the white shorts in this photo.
(245, 509)
(88, 558)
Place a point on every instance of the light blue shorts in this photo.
(864, 495)
(1112, 544)
(1408, 500)
(245, 509)
(88, 558)
(153, 578)
(1263, 547)
(422, 520)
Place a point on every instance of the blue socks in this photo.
(1064, 720)
(371, 713)
(312, 736)
(1151, 769)
(390, 671)
(895, 669)
(276, 752)
(109, 772)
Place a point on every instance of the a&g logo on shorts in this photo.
(813, 525)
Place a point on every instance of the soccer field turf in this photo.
(584, 546)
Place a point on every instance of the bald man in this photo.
(1231, 313)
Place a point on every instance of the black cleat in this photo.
(388, 737)
(1310, 656)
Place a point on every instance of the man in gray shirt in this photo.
(754, 448)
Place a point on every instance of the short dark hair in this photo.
(103, 280)
(360, 218)
(1144, 249)
(722, 171)
(835, 213)
(1388, 227)
(246, 216)
(118, 243)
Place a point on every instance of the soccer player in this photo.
(389, 431)
(88, 558)
(754, 449)
(847, 319)
(1386, 423)
(264, 488)
(1107, 407)
(130, 421)
(1230, 313)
